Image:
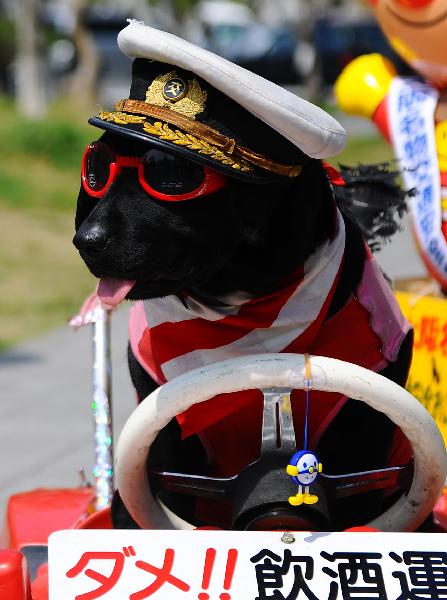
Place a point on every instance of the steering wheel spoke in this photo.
(335, 486)
(214, 488)
(351, 484)
(278, 432)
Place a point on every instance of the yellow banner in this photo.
(428, 374)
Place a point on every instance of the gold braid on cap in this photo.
(197, 136)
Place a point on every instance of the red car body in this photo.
(32, 516)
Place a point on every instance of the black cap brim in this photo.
(133, 131)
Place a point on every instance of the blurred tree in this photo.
(82, 84)
(7, 45)
(29, 84)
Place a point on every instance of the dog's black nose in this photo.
(91, 238)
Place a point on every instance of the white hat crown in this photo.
(308, 127)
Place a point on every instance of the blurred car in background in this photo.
(339, 38)
(230, 29)
(233, 31)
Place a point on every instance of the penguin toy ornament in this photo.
(304, 466)
(303, 469)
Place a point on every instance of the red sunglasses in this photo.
(162, 175)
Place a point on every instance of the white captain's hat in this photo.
(200, 105)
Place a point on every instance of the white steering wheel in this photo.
(281, 371)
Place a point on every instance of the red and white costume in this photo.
(169, 339)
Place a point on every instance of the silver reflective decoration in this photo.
(102, 408)
(94, 313)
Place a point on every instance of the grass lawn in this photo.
(42, 279)
(363, 150)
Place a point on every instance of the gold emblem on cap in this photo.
(171, 91)
(174, 89)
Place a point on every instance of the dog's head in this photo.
(164, 246)
(217, 243)
(234, 237)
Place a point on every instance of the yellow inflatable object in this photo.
(441, 145)
(363, 84)
(428, 375)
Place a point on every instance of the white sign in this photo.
(228, 565)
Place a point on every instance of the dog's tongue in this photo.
(113, 291)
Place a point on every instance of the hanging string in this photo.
(308, 380)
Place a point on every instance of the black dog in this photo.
(245, 237)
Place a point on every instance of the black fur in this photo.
(246, 237)
(374, 199)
